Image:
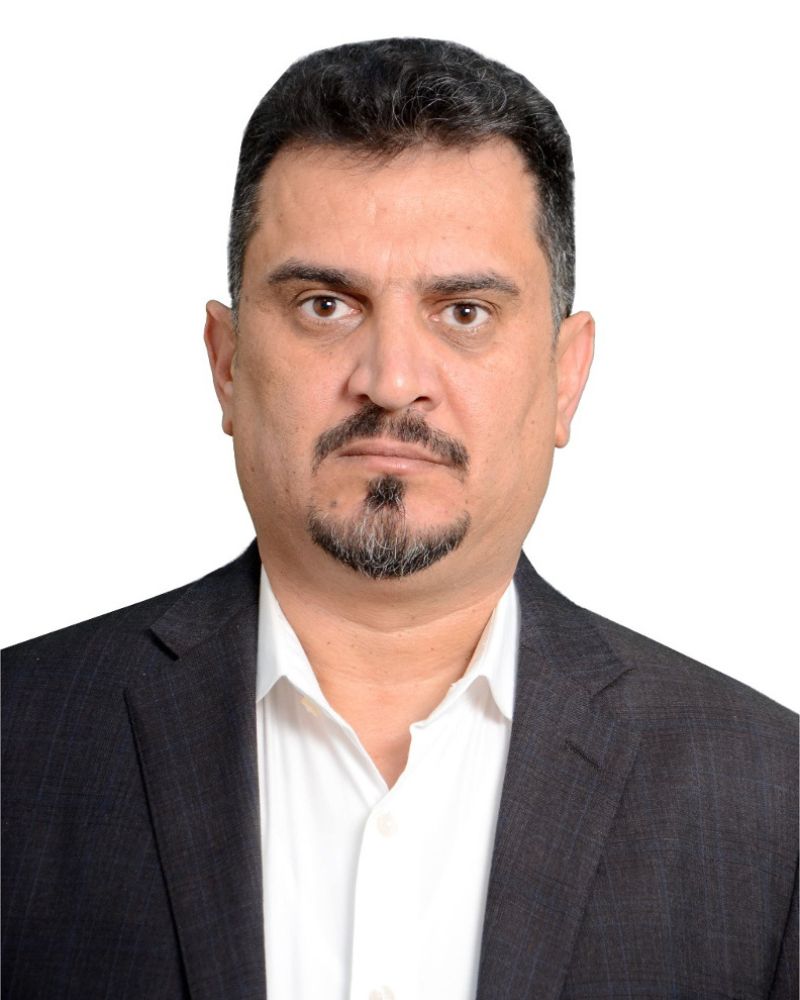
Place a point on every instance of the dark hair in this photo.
(384, 96)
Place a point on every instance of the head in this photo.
(379, 98)
(400, 358)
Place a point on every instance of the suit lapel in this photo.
(567, 766)
(194, 727)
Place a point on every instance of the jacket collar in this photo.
(194, 727)
(569, 759)
(568, 763)
(210, 603)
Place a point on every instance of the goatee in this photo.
(377, 541)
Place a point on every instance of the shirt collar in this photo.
(279, 651)
(495, 658)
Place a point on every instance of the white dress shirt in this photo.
(373, 893)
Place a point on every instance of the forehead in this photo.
(415, 211)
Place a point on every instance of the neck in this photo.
(386, 660)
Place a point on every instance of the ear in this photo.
(220, 340)
(574, 352)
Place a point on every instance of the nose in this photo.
(394, 366)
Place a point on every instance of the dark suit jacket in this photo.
(646, 842)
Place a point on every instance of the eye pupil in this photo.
(324, 305)
(465, 312)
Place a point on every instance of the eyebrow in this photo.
(481, 281)
(299, 270)
(449, 284)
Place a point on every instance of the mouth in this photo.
(392, 452)
(397, 458)
(371, 435)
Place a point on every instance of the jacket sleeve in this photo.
(785, 980)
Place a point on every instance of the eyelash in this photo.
(305, 306)
(316, 298)
(471, 305)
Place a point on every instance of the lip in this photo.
(389, 450)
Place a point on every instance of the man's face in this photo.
(392, 388)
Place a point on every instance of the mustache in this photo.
(372, 421)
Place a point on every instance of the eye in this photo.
(325, 307)
(465, 315)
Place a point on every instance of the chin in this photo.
(378, 539)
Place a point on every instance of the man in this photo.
(377, 756)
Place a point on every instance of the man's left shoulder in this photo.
(661, 685)
(639, 677)
(710, 748)
(706, 740)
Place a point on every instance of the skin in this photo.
(441, 306)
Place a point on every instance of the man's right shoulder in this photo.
(119, 646)
(91, 662)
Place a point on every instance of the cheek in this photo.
(537, 431)
(263, 416)
(516, 431)
(522, 401)
(281, 409)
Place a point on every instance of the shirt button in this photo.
(309, 705)
(387, 825)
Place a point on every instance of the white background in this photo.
(674, 508)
